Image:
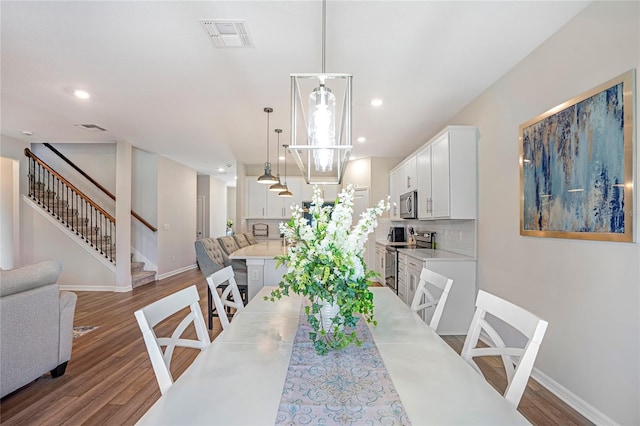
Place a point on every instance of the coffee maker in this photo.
(397, 234)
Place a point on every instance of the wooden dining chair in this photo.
(149, 316)
(227, 301)
(423, 299)
(518, 369)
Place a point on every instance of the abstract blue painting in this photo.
(576, 166)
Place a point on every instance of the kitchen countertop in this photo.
(388, 243)
(431, 254)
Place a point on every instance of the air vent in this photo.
(91, 127)
(227, 32)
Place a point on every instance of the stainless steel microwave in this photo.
(409, 205)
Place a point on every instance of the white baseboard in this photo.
(564, 394)
(571, 399)
(90, 288)
(176, 272)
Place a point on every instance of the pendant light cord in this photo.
(285, 164)
(268, 136)
(278, 150)
(324, 32)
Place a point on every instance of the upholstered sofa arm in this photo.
(67, 309)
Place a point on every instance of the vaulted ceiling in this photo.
(157, 81)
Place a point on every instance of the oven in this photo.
(391, 266)
(424, 239)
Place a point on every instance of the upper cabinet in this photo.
(444, 174)
(395, 190)
(264, 204)
(402, 179)
(409, 175)
(448, 175)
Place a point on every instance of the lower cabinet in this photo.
(381, 252)
(401, 279)
(460, 306)
(414, 269)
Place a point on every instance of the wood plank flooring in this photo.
(109, 380)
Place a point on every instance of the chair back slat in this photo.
(149, 316)
(229, 299)
(423, 299)
(518, 362)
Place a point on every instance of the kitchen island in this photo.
(261, 264)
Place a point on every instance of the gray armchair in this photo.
(211, 258)
(36, 325)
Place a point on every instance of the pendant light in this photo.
(321, 146)
(286, 192)
(267, 177)
(278, 186)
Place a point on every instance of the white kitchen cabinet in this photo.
(395, 190)
(256, 198)
(329, 192)
(401, 279)
(279, 207)
(423, 162)
(409, 175)
(447, 175)
(381, 252)
(460, 304)
(413, 271)
(265, 204)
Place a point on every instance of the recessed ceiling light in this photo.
(281, 158)
(376, 102)
(27, 133)
(81, 94)
(361, 139)
(221, 169)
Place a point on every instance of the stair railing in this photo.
(71, 206)
(100, 187)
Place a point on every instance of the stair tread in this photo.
(143, 274)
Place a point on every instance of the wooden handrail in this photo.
(102, 188)
(34, 157)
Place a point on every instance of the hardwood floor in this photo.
(109, 380)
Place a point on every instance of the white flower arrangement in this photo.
(325, 263)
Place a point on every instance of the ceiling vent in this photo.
(91, 127)
(227, 32)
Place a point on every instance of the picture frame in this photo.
(577, 166)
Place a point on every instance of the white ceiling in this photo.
(158, 82)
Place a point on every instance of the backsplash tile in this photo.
(458, 236)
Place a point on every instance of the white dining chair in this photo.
(423, 299)
(149, 316)
(228, 302)
(518, 369)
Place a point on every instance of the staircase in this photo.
(139, 276)
(88, 221)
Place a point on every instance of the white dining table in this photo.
(238, 380)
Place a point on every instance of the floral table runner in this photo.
(347, 387)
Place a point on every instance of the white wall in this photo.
(9, 212)
(176, 217)
(218, 207)
(43, 238)
(589, 291)
(231, 208)
(97, 160)
(214, 192)
(144, 201)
